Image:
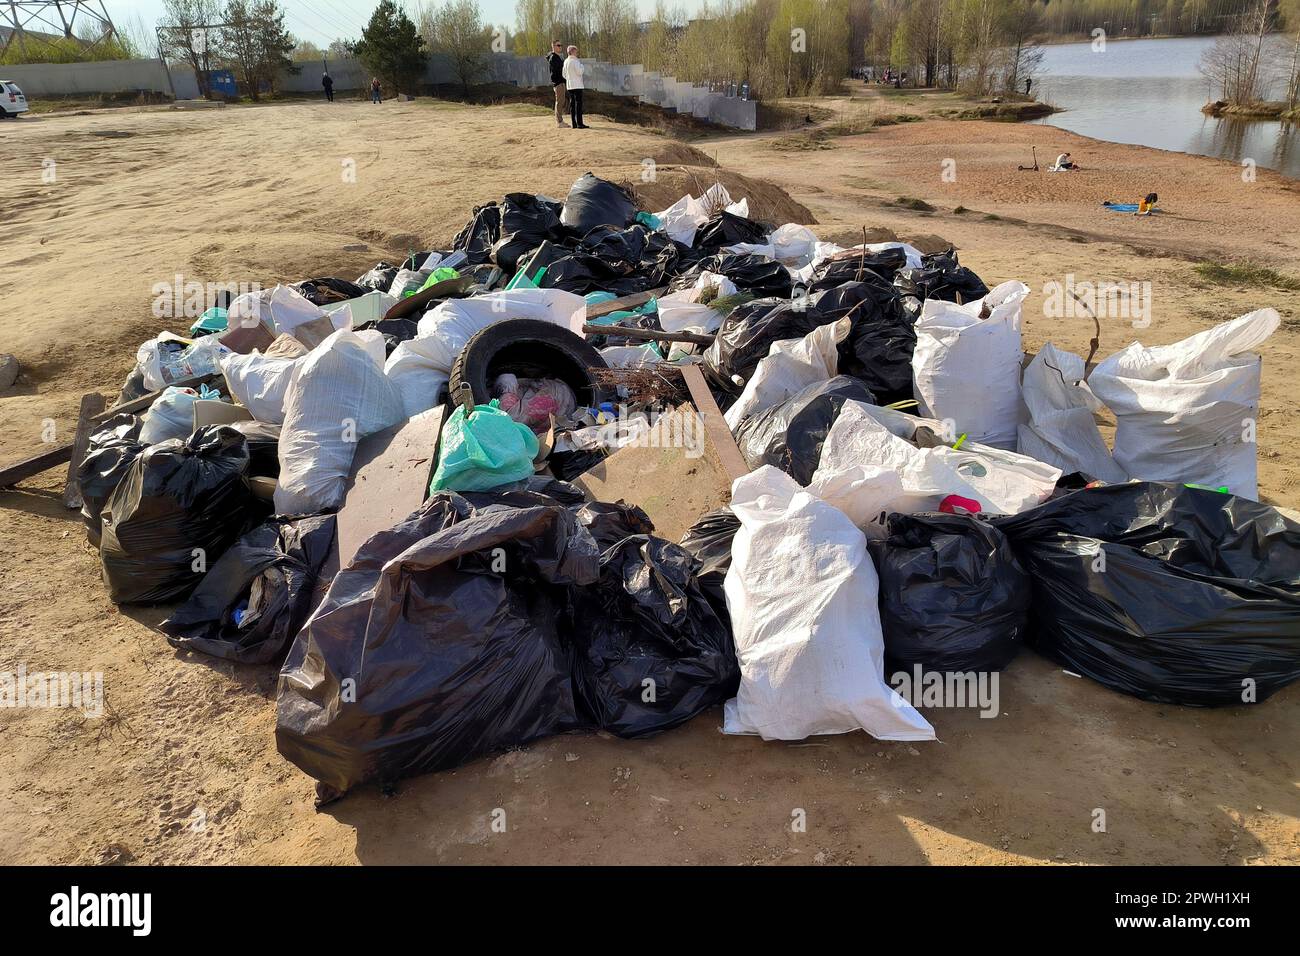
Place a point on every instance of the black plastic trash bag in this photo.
(608, 523)
(593, 202)
(379, 278)
(395, 331)
(751, 273)
(746, 336)
(709, 539)
(325, 291)
(790, 435)
(567, 465)
(479, 235)
(728, 229)
(953, 597)
(450, 652)
(618, 247)
(133, 387)
(111, 450)
(175, 511)
(258, 594)
(941, 277)
(858, 267)
(526, 222)
(582, 273)
(263, 447)
(881, 339)
(1168, 593)
(652, 653)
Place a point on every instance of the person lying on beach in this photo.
(1143, 207)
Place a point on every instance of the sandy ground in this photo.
(184, 768)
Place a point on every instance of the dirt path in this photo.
(184, 769)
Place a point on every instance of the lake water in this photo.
(1150, 93)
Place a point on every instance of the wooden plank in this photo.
(626, 302)
(715, 425)
(92, 403)
(145, 401)
(35, 465)
(63, 453)
(651, 335)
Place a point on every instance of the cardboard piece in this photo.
(246, 339)
(263, 488)
(674, 481)
(390, 478)
(210, 412)
(313, 333)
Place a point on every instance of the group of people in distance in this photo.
(376, 89)
(567, 79)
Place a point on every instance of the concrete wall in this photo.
(117, 76)
(106, 76)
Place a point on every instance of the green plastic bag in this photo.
(489, 450)
(436, 276)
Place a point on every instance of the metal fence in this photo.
(124, 76)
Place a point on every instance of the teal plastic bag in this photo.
(213, 320)
(489, 450)
(615, 318)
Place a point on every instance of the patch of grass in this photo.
(910, 202)
(990, 217)
(1004, 112)
(798, 142)
(1246, 273)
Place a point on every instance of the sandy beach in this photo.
(261, 194)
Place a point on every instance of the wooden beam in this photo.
(35, 465)
(626, 302)
(651, 335)
(715, 425)
(92, 403)
(62, 455)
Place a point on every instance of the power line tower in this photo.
(29, 25)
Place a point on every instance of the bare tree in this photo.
(1235, 62)
(184, 38)
(456, 31)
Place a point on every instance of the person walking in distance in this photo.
(327, 81)
(375, 95)
(573, 82)
(555, 63)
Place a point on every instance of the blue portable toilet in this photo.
(223, 82)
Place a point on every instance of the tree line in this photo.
(247, 37)
(776, 47)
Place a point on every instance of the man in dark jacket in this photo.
(555, 62)
(327, 81)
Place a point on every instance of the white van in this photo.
(12, 101)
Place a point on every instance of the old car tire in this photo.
(529, 348)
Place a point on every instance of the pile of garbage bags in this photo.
(918, 497)
(490, 619)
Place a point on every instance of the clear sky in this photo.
(321, 20)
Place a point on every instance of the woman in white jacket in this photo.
(573, 76)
